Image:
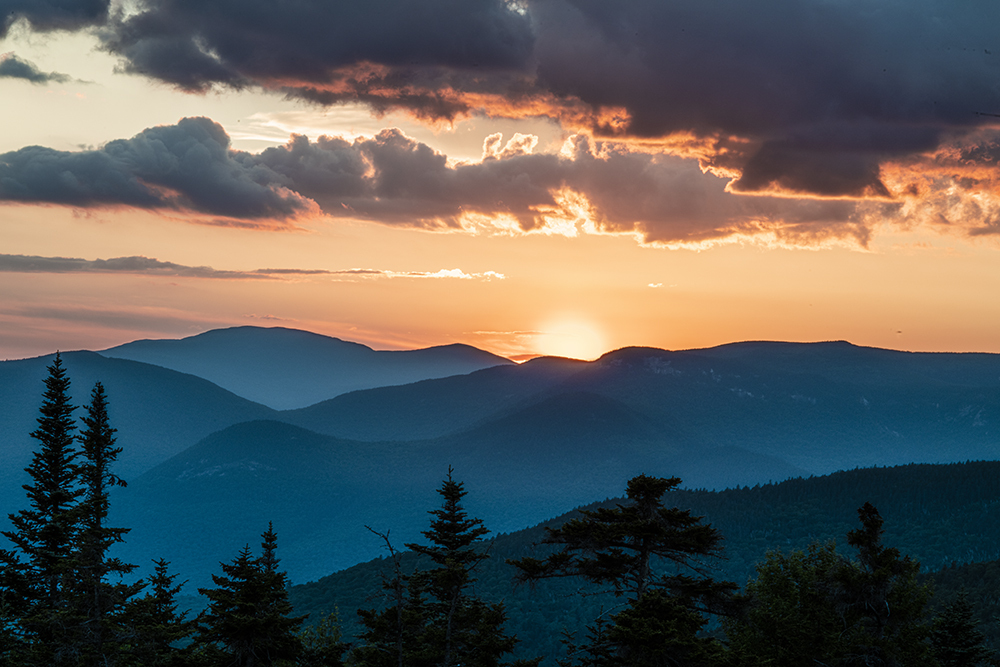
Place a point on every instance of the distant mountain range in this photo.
(288, 368)
(534, 439)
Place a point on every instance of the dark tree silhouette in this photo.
(45, 533)
(100, 600)
(650, 554)
(247, 623)
(440, 622)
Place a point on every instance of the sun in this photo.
(570, 337)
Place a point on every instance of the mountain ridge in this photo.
(286, 368)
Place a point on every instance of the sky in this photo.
(527, 176)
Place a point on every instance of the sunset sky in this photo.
(526, 176)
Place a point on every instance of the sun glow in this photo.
(570, 337)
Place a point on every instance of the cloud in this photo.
(138, 265)
(393, 179)
(126, 265)
(195, 45)
(799, 96)
(187, 166)
(12, 67)
(49, 15)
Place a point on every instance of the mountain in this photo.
(157, 412)
(817, 407)
(434, 408)
(288, 368)
(534, 438)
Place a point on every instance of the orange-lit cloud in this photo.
(588, 187)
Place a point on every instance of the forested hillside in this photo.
(938, 514)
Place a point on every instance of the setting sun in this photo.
(571, 337)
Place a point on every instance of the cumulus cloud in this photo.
(12, 67)
(187, 166)
(138, 265)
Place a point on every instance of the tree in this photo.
(818, 607)
(45, 533)
(956, 640)
(650, 554)
(247, 623)
(879, 601)
(155, 626)
(439, 623)
(790, 618)
(322, 643)
(100, 600)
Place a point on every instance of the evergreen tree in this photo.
(817, 607)
(790, 618)
(100, 600)
(154, 624)
(879, 600)
(650, 554)
(956, 640)
(247, 622)
(440, 623)
(322, 643)
(392, 637)
(45, 534)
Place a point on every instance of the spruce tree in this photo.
(100, 600)
(956, 640)
(818, 607)
(440, 623)
(322, 643)
(247, 623)
(878, 596)
(651, 555)
(154, 625)
(45, 534)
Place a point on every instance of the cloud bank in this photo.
(393, 179)
(799, 96)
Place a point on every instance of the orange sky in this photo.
(585, 228)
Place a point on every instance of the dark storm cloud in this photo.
(822, 92)
(187, 166)
(47, 15)
(12, 67)
(196, 43)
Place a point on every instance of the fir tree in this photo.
(441, 623)
(880, 601)
(100, 600)
(247, 622)
(45, 534)
(956, 640)
(817, 607)
(154, 624)
(322, 643)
